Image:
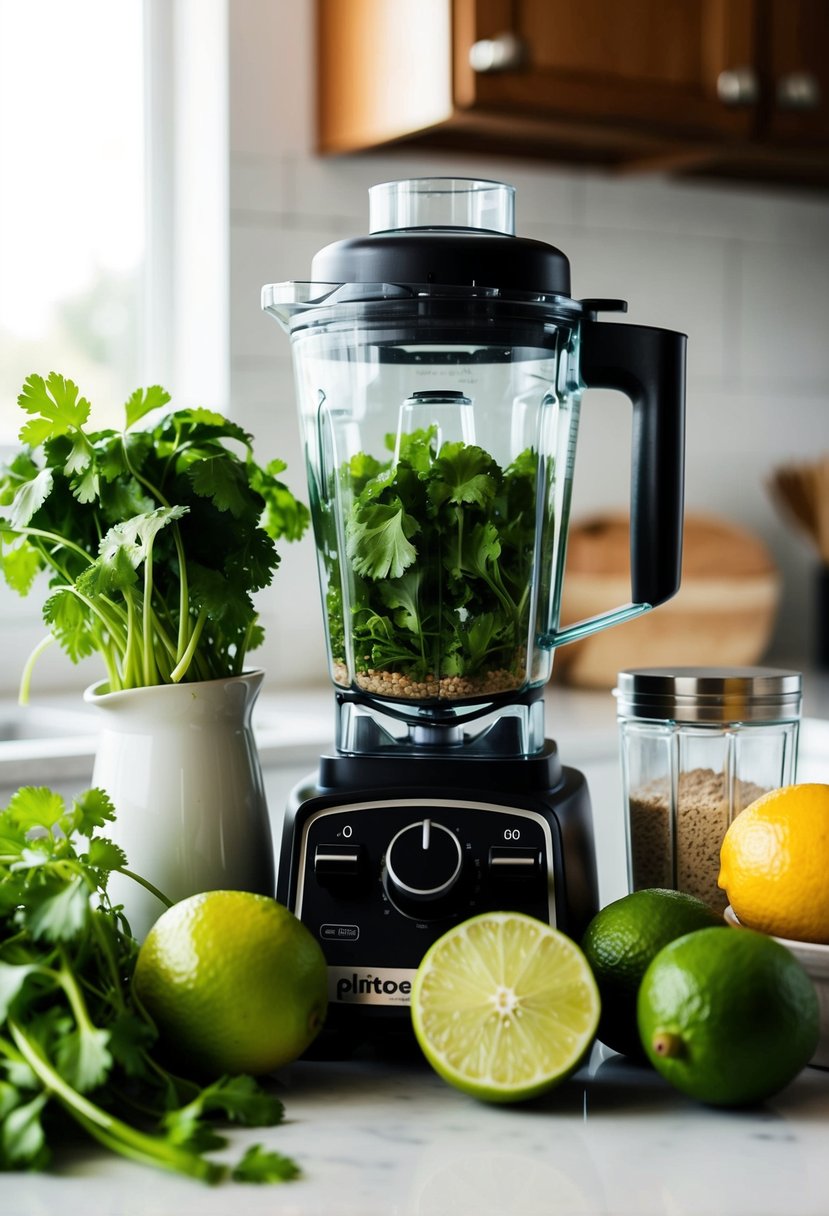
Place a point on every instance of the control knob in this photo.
(423, 864)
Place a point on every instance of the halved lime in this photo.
(504, 1007)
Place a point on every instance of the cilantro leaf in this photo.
(130, 1038)
(253, 563)
(417, 448)
(87, 487)
(403, 594)
(35, 807)
(241, 1100)
(283, 515)
(123, 549)
(225, 484)
(29, 498)
(463, 473)
(479, 636)
(83, 1057)
(186, 1129)
(70, 624)
(13, 978)
(222, 600)
(208, 424)
(361, 469)
(22, 1140)
(57, 407)
(142, 401)
(378, 539)
(21, 566)
(104, 855)
(57, 911)
(91, 809)
(80, 455)
(260, 1165)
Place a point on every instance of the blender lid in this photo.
(434, 233)
(709, 694)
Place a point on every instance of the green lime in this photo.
(728, 1017)
(504, 1007)
(620, 942)
(234, 982)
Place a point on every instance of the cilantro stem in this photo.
(184, 597)
(180, 670)
(66, 979)
(146, 884)
(107, 1129)
(28, 668)
(150, 669)
(60, 541)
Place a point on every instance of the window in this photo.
(113, 223)
(72, 204)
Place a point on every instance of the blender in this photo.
(440, 364)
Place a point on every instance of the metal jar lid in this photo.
(709, 694)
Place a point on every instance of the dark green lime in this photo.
(728, 1017)
(620, 943)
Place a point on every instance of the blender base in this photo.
(520, 840)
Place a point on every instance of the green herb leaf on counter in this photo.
(73, 1041)
(120, 521)
(260, 1165)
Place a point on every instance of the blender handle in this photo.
(648, 366)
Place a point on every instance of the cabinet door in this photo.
(797, 70)
(649, 63)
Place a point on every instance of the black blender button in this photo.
(338, 860)
(514, 861)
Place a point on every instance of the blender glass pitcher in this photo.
(440, 365)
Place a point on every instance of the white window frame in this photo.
(187, 295)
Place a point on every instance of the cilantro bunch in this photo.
(73, 1041)
(440, 553)
(154, 536)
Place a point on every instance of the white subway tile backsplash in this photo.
(264, 403)
(673, 281)
(265, 252)
(783, 332)
(259, 186)
(291, 614)
(652, 203)
(271, 76)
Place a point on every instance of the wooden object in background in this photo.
(801, 494)
(722, 615)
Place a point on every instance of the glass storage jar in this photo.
(698, 744)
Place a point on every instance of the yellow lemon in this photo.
(774, 863)
(234, 982)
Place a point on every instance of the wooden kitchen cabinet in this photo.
(736, 88)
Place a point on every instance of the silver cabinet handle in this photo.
(499, 54)
(798, 91)
(738, 87)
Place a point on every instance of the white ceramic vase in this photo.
(179, 762)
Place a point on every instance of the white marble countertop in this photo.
(391, 1139)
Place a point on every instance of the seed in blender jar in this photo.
(702, 817)
(452, 688)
